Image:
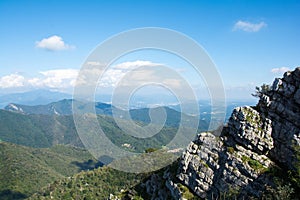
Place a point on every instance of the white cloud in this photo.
(53, 43)
(12, 81)
(93, 69)
(59, 78)
(55, 79)
(126, 74)
(248, 26)
(280, 70)
(131, 73)
(111, 77)
(89, 75)
(114, 74)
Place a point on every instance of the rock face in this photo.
(281, 104)
(254, 139)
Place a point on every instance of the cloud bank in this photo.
(52, 79)
(12, 81)
(65, 79)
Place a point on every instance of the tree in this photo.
(259, 91)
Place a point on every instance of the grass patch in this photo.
(230, 150)
(257, 166)
(185, 191)
(254, 164)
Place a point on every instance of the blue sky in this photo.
(250, 42)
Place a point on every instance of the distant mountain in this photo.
(35, 97)
(62, 107)
(24, 170)
(47, 130)
(173, 117)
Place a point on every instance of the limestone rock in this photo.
(254, 139)
(283, 109)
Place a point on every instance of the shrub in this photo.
(254, 164)
(185, 192)
(150, 150)
(261, 90)
(280, 192)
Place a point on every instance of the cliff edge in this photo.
(255, 157)
(255, 141)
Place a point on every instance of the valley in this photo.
(23, 170)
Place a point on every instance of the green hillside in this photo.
(95, 184)
(23, 170)
(118, 137)
(37, 130)
(43, 131)
(100, 183)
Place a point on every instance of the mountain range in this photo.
(34, 97)
(64, 108)
(46, 130)
(256, 155)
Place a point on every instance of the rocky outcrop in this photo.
(281, 104)
(212, 166)
(14, 108)
(254, 139)
(237, 162)
(247, 128)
